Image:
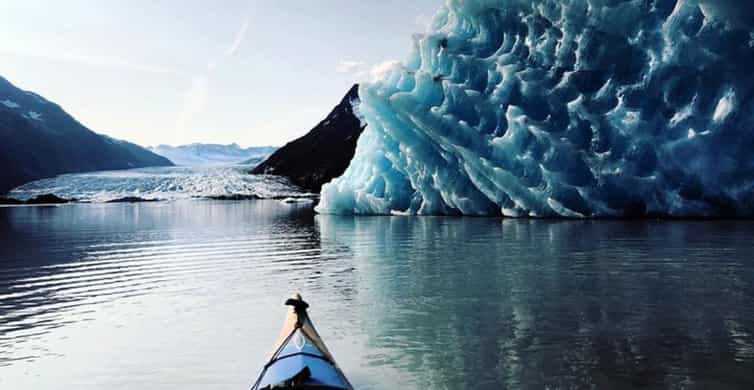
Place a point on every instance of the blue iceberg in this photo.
(572, 108)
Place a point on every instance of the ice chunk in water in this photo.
(571, 108)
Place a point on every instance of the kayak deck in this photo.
(300, 359)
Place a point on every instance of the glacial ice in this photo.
(163, 183)
(571, 108)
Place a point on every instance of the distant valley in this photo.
(199, 154)
(39, 140)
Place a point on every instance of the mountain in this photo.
(575, 109)
(324, 152)
(38, 139)
(212, 154)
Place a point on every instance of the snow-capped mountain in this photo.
(198, 154)
(39, 139)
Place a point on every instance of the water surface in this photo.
(188, 294)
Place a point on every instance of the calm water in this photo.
(187, 295)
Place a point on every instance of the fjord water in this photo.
(187, 294)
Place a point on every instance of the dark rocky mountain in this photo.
(39, 139)
(323, 153)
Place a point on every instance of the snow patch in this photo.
(34, 116)
(9, 103)
(356, 109)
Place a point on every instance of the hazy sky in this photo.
(255, 72)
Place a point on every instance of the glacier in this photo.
(227, 182)
(572, 108)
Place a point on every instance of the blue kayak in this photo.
(300, 360)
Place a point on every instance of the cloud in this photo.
(193, 102)
(367, 72)
(195, 98)
(380, 70)
(350, 66)
(423, 21)
(240, 35)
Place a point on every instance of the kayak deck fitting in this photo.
(300, 361)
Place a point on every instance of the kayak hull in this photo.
(300, 359)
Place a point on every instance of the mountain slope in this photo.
(38, 139)
(212, 154)
(323, 153)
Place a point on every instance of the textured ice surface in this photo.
(562, 108)
(163, 183)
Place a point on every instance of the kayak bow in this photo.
(300, 360)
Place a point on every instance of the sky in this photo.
(254, 72)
